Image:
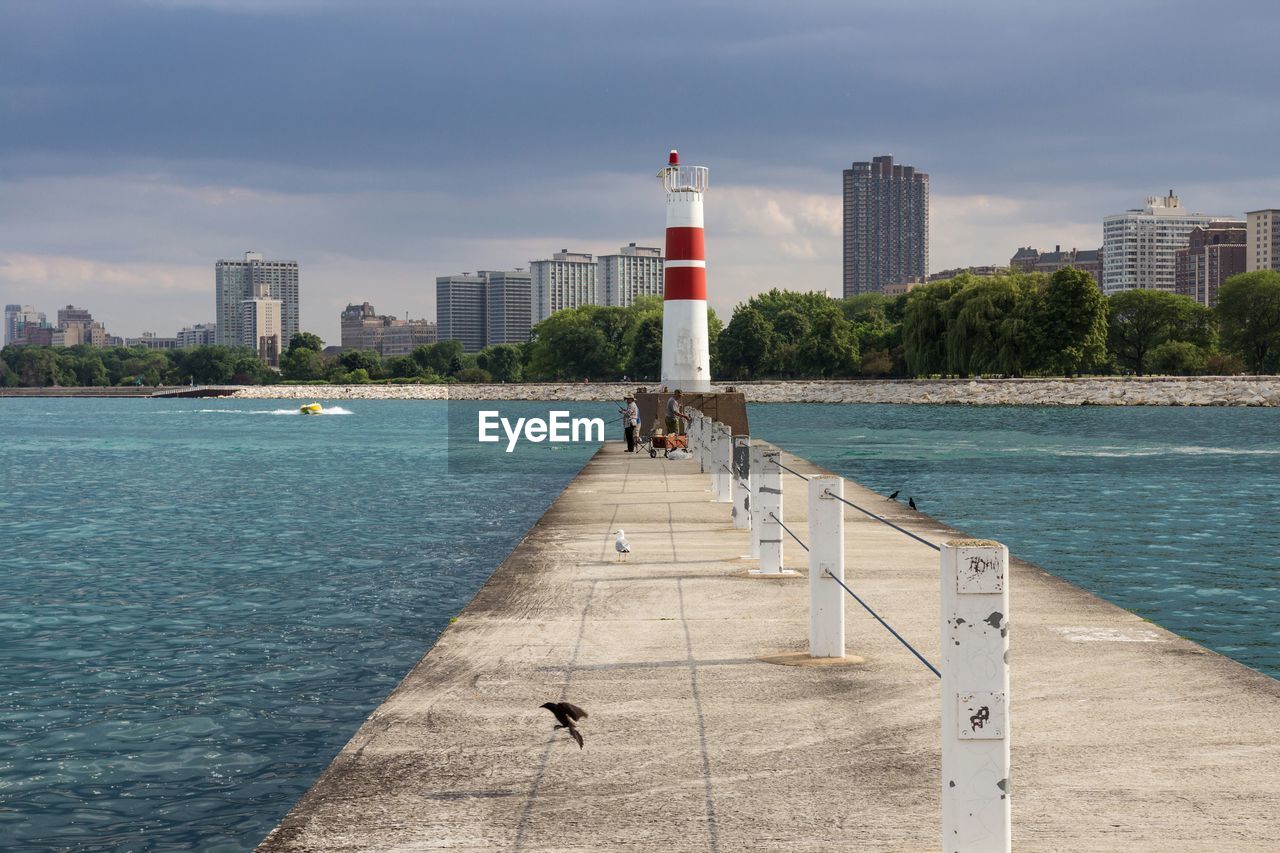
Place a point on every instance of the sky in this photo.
(382, 143)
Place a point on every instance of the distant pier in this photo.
(1125, 736)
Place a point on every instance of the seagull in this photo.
(911, 502)
(566, 715)
(622, 545)
(894, 496)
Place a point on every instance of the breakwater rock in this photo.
(1092, 391)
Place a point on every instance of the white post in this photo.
(741, 482)
(723, 460)
(976, 814)
(757, 465)
(770, 495)
(826, 560)
(705, 438)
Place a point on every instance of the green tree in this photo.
(303, 364)
(1249, 309)
(924, 326)
(367, 360)
(1178, 358)
(503, 362)
(305, 341)
(831, 346)
(440, 357)
(746, 343)
(1140, 320)
(644, 360)
(1073, 322)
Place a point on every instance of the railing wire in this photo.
(789, 533)
(889, 628)
(881, 519)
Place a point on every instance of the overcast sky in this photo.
(381, 143)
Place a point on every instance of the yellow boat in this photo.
(311, 409)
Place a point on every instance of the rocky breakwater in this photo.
(1092, 391)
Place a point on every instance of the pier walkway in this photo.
(1124, 736)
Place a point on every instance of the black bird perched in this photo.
(566, 715)
(894, 496)
(911, 502)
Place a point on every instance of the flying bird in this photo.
(566, 715)
(621, 544)
(911, 502)
(894, 496)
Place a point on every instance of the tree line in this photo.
(1017, 324)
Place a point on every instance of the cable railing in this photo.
(973, 666)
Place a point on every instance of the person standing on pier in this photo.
(631, 421)
(675, 414)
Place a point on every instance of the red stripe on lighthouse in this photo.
(686, 244)
(685, 283)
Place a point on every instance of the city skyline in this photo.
(111, 207)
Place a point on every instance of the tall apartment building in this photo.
(508, 306)
(1028, 259)
(363, 328)
(201, 334)
(261, 324)
(633, 272)
(237, 281)
(886, 225)
(566, 280)
(1214, 253)
(1139, 246)
(461, 311)
(16, 317)
(76, 326)
(1262, 240)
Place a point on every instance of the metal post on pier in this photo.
(756, 462)
(741, 492)
(769, 495)
(826, 561)
(976, 812)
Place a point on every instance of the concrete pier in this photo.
(1125, 735)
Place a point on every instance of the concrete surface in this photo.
(1125, 736)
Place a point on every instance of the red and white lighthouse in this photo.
(686, 353)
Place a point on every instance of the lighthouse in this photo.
(686, 353)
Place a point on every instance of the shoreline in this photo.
(1257, 391)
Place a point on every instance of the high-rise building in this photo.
(402, 337)
(1028, 259)
(201, 334)
(1262, 240)
(261, 324)
(18, 316)
(1214, 253)
(237, 281)
(509, 306)
(566, 280)
(461, 311)
(633, 272)
(76, 326)
(886, 225)
(1139, 246)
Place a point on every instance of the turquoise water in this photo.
(1173, 513)
(201, 601)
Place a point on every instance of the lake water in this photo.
(202, 600)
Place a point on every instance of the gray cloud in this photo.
(407, 138)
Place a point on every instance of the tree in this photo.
(302, 364)
(924, 325)
(831, 347)
(305, 341)
(746, 343)
(645, 351)
(1178, 358)
(987, 326)
(1140, 320)
(1249, 309)
(439, 357)
(367, 360)
(502, 362)
(1073, 322)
